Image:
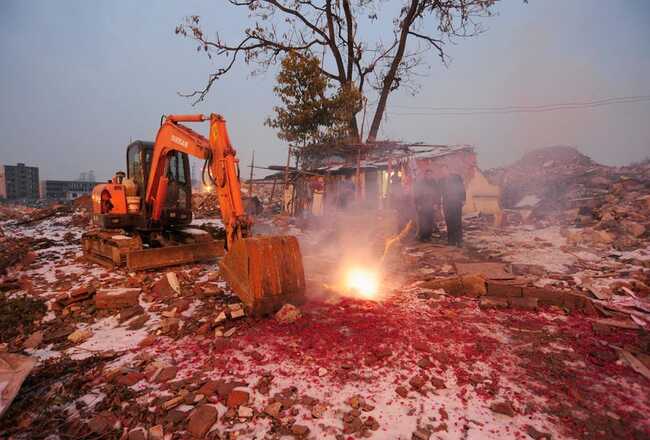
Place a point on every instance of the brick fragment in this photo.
(504, 289)
(545, 296)
(237, 398)
(202, 420)
(117, 298)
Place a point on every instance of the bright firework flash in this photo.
(362, 282)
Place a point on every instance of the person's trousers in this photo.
(425, 224)
(454, 220)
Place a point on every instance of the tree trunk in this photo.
(354, 130)
(392, 72)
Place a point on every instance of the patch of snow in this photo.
(528, 201)
(43, 354)
(108, 335)
(202, 221)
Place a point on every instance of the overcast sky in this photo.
(80, 78)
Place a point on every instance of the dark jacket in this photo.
(453, 190)
(427, 194)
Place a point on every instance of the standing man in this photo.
(347, 192)
(427, 197)
(453, 199)
(398, 199)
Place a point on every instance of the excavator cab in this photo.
(177, 209)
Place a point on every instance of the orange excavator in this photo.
(142, 218)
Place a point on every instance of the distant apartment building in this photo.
(19, 182)
(65, 189)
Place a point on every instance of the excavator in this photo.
(141, 218)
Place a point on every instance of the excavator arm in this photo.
(265, 272)
(222, 163)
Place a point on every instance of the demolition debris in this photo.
(536, 328)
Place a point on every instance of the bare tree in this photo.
(339, 33)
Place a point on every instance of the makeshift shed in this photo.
(369, 169)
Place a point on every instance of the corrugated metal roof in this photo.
(396, 154)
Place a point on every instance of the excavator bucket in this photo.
(265, 272)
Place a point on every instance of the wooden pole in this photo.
(273, 190)
(363, 120)
(286, 179)
(250, 181)
(357, 192)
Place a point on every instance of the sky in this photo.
(80, 79)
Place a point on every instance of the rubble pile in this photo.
(264, 200)
(559, 185)
(12, 212)
(553, 175)
(18, 316)
(45, 213)
(205, 204)
(269, 192)
(12, 251)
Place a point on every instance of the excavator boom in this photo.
(265, 272)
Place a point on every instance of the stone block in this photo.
(545, 296)
(504, 289)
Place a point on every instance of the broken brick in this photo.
(273, 409)
(162, 289)
(421, 346)
(402, 391)
(299, 430)
(288, 314)
(138, 433)
(417, 381)
(102, 422)
(504, 289)
(34, 340)
(535, 434)
(129, 312)
(425, 363)
(166, 374)
(139, 322)
(421, 434)
(201, 420)
(545, 296)
(117, 298)
(438, 383)
(128, 377)
(504, 408)
(237, 398)
(79, 336)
